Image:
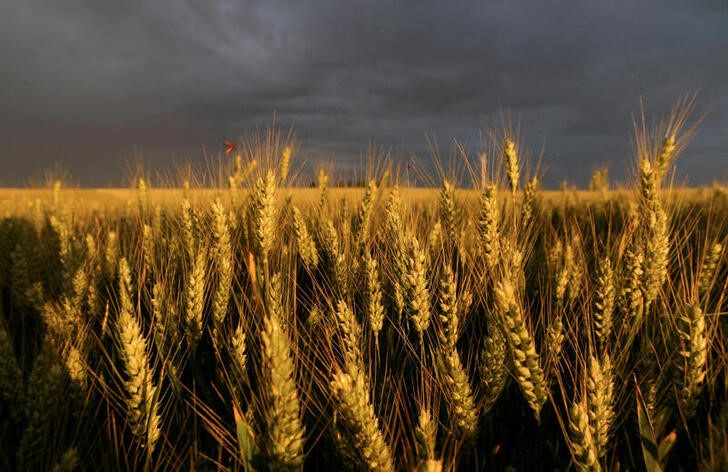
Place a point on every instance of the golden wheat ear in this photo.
(284, 439)
(528, 370)
(141, 390)
(351, 394)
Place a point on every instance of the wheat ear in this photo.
(305, 243)
(600, 401)
(142, 397)
(604, 302)
(488, 221)
(449, 213)
(692, 331)
(493, 372)
(581, 441)
(351, 394)
(461, 400)
(375, 308)
(265, 215)
(528, 371)
(285, 431)
(708, 270)
(655, 228)
(512, 168)
(415, 282)
(426, 438)
(223, 258)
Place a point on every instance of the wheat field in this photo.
(483, 324)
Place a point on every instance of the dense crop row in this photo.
(373, 332)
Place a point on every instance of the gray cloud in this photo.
(86, 82)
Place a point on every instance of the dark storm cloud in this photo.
(86, 82)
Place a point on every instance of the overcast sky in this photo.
(87, 83)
